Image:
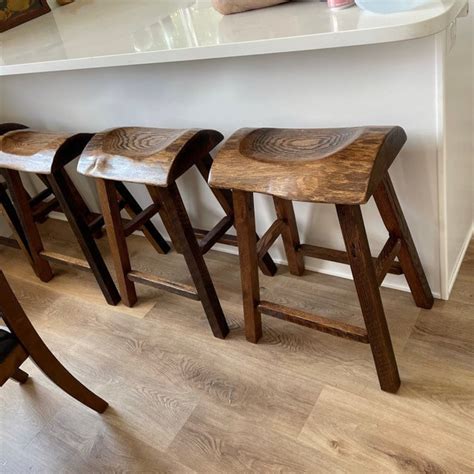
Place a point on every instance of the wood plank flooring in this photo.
(183, 401)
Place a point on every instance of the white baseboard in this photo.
(323, 267)
(58, 216)
(332, 269)
(459, 260)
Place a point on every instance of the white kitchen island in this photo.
(97, 64)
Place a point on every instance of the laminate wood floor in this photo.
(183, 401)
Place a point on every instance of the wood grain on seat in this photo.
(39, 152)
(152, 156)
(334, 165)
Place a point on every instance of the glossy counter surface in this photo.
(107, 33)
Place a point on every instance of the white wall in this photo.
(458, 103)
(381, 84)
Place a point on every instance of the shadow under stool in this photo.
(20, 340)
(156, 158)
(344, 167)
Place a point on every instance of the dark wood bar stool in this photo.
(157, 158)
(9, 211)
(40, 204)
(46, 155)
(20, 340)
(344, 167)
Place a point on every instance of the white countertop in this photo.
(108, 33)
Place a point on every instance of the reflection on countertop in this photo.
(96, 33)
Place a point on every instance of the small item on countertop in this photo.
(227, 7)
(340, 4)
(390, 6)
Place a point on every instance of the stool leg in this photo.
(224, 197)
(392, 215)
(150, 231)
(19, 324)
(14, 221)
(20, 376)
(79, 203)
(182, 232)
(20, 199)
(117, 240)
(84, 237)
(247, 239)
(363, 271)
(291, 240)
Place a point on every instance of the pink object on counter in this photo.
(339, 4)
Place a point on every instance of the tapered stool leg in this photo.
(117, 240)
(21, 199)
(84, 237)
(182, 232)
(363, 271)
(20, 376)
(79, 203)
(291, 240)
(247, 239)
(392, 215)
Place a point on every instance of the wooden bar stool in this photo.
(40, 204)
(344, 167)
(8, 210)
(157, 158)
(46, 155)
(21, 341)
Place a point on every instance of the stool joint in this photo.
(270, 236)
(386, 258)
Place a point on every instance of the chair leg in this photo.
(363, 271)
(20, 376)
(247, 240)
(183, 233)
(291, 240)
(392, 215)
(151, 232)
(224, 197)
(21, 199)
(117, 240)
(84, 237)
(19, 324)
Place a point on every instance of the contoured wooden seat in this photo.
(151, 156)
(332, 165)
(40, 152)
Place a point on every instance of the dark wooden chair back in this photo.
(19, 340)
